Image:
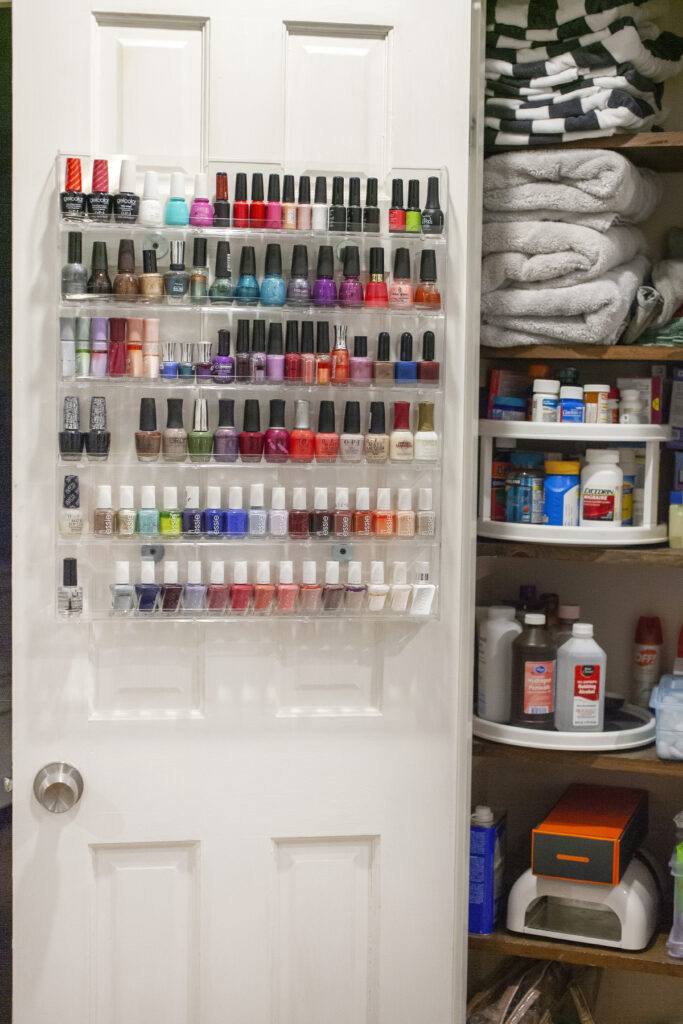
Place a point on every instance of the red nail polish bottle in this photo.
(240, 590)
(376, 293)
(326, 440)
(362, 517)
(257, 209)
(292, 357)
(298, 516)
(397, 214)
(428, 369)
(301, 440)
(323, 360)
(276, 441)
(240, 208)
(251, 440)
(117, 347)
(218, 591)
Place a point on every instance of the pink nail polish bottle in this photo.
(310, 593)
(240, 590)
(287, 589)
(360, 365)
(201, 214)
(273, 206)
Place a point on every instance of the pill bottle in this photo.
(627, 461)
(561, 501)
(601, 487)
(613, 405)
(596, 397)
(524, 488)
(630, 407)
(571, 409)
(544, 401)
(508, 409)
(500, 470)
(676, 519)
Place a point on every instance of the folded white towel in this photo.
(597, 221)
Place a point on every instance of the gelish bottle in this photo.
(223, 366)
(192, 521)
(351, 289)
(174, 437)
(170, 517)
(214, 522)
(150, 348)
(258, 517)
(406, 368)
(432, 215)
(302, 440)
(99, 363)
(384, 518)
(117, 346)
(200, 438)
(413, 216)
(401, 443)
(257, 208)
(351, 440)
(340, 356)
(194, 590)
(242, 355)
(426, 519)
(71, 439)
(427, 368)
(307, 356)
(263, 589)
(383, 368)
(171, 590)
(376, 293)
(401, 291)
(376, 444)
(221, 290)
(176, 278)
(147, 591)
(150, 215)
(354, 212)
(401, 590)
(147, 524)
(240, 209)
(337, 212)
(225, 442)
(82, 354)
(218, 591)
(257, 360)
(327, 439)
(99, 282)
(126, 203)
(377, 588)
(251, 439)
(423, 591)
(427, 295)
(134, 347)
(298, 516)
(273, 206)
(104, 517)
(333, 590)
(247, 290)
(298, 287)
(303, 210)
(405, 517)
(177, 213)
(148, 438)
(343, 518)
(324, 289)
(199, 278)
(371, 210)
(360, 364)
(288, 222)
(275, 359)
(126, 281)
(100, 202)
(72, 201)
(278, 516)
(397, 215)
(71, 521)
(426, 438)
(292, 357)
(286, 590)
(273, 291)
(276, 440)
(240, 589)
(323, 362)
(221, 207)
(69, 595)
(310, 592)
(74, 273)
(201, 214)
(236, 519)
(150, 282)
(362, 516)
(122, 590)
(355, 590)
(98, 438)
(319, 212)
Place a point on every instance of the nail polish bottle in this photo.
(263, 589)
(242, 356)
(257, 360)
(240, 590)
(174, 437)
(426, 518)
(150, 215)
(292, 357)
(327, 439)
(147, 524)
(200, 438)
(319, 215)
(169, 360)
(337, 213)
(354, 212)
(99, 360)
(214, 519)
(171, 590)
(406, 368)
(303, 210)
(100, 202)
(221, 290)
(134, 347)
(405, 517)
(383, 368)
(377, 588)
(199, 278)
(235, 520)
(126, 203)
(71, 521)
(170, 517)
(82, 353)
(362, 517)
(177, 213)
(275, 359)
(301, 441)
(126, 516)
(201, 214)
(428, 369)
(360, 364)
(99, 282)
(240, 209)
(74, 272)
(355, 590)
(251, 439)
(351, 441)
(351, 289)
(376, 444)
(310, 592)
(397, 215)
(218, 591)
(273, 292)
(401, 291)
(117, 346)
(176, 278)
(343, 518)
(276, 440)
(72, 201)
(384, 518)
(340, 356)
(333, 590)
(194, 591)
(400, 588)
(258, 517)
(307, 355)
(69, 595)
(426, 438)
(225, 438)
(150, 282)
(122, 590)
(98, 438)
(286, 590)
(298, 516)
(150, 348)
(323, 362)
(221, 207)
(71, 439)
(427, 295)
(376, 293)
(192, 520)
(432, 215)
(413, 215)
(423, 591)
(257, 208)
(147, 591)
(401, 443)
(68, 348)
(371, 211)
(223, 365)
(298, 286)
(273, 206)
(247, 291)
(278, 516)
(325, 290)
(288, 222)
(203, 361)
(104, 517)
(186, 362)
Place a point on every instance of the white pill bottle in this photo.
(602, 484)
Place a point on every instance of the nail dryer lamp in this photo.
(623, 916)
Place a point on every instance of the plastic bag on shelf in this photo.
(543, 992)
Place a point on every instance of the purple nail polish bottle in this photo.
(276, 442)
(324, 289)
(298, 287)
(223, 366)
(275, 360)
(225, 443)
(351, 290)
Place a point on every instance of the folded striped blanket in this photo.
(512, 24)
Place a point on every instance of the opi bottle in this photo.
(427, 368)
(383, 368)
(355, 590)
(200, 438)
(351, 441)
(273, 292)
(225, 441)
(405, 517)
(257, 360)
(310, 592)
(99, 282)
(432, 215)
(71, 440)
(257, 208)
(276, 440)
(192, 520)
(376, 443)
(171, 590)
(362, 516)
(98, 438)
(423, 591)
(221, 207)
(360, 364)
(247, 290)
(427, 295)
(134, 346)
(406, 369)
(176, 278)
(147, 524)
(351, 289)
(214, 521)
(323, 362)
(288, 221)
(257, 516)
(371, 210)
(426, 519)
(354, 213)
(340, 356)
(401, 443)
(122, 590)
(426, 438)
(377, 588)
(74, 273)
(343, 519)
(126, 281)
(263, 589)
(147, 437)
(218, 591)
(413, 216)
(236, 520)
(117, 346)
(319, 211)
(150, 215)
(150, 348)
(69, 595)
(286, 590)
(298, 287)
(240, 589)
(292, 357)
(242, 355)
(67, 345)
(199, 278)
(100, 202)
(401, 291)
(240, 208)
(376, 293)
(174, 437)
(273, 206)
(298, 516)
(333, 590)
(278, 516)
(303, 210)
(71, 520)
(104, 517)
(324, 289)
(275, 359)
(223, 365)
(82, 353)
(99, 361)
(397, 215)
(337, 212)
(194, 590)
(150, 282)
(126, 202)
(169, 360)
(177, 213)
(302, 441)
(327, 439)
(307, 355)
(170, 517)
(72, 201)
(221, 291)
(201, 214)
(400, 588)
(251, 439)
(126, 516)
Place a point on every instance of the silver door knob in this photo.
(58, 786)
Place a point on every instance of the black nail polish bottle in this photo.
(98, 438)
(337, 213)
(371, 211)
(432, 215)
(354, 213)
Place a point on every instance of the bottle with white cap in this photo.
(125, 513)
(287, 589)
(236, 519)
(581, 677)
(264, 590)
(258, 517)
(333, 590)
(377, 588)
(177, 213)
(299, 517)
(362, 517)
(104, 517)
(321, 524)
(423, 591)
(122, 590)
(405, 517)
(494, 669)
(213, 517)
(534, 664)
(147, 590)
(400, 588)
(201, 214)
(384, 518)
(354, 594)
(170, 517)
(150, 206)
(218, 590)
(278, 516)
(171, 590)
(194, 590)
(426, 518)
(126, 203)
(602, 482)
(192, 514)
(240, 590)
(342, 514)
(310, 591)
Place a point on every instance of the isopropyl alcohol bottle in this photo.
(580, 693)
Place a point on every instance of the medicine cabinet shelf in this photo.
(616, 433)
(660, 151)
(612, 353)
(572, 535)
(663, 557)
(131, 305)
(643, 761)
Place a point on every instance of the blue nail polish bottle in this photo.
(148, 513)
(213, 514)
(169, 365)
(177, 213)
(235, 519)
(405, 369)
(147, 591)
(247, 289)
(273, 292)
(192, 517)
(194, 590)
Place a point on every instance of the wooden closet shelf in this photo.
(661, 151)
(615, 353)
(642, 762)
(664, 557)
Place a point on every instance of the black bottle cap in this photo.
(428, 265)
(252, 416)
(288, 188)
(174, 414)
(325, 261)
(383, 347)
(148, 414)
(273, 188)
(352, 418)
(299, 260)
(241, 187)
(413, 194)
(351, 261)
(360, 345)
(371, 192)
(69, 572)
(397, 194)
(354, 191)
(377, 261)
(256, 187)
(402, 264)
(406, 349)
(99, 256)
(247, 261)
(75, 247)
(277, 412)
(304, 189)
(223, 260)
(273, 259)
(199, 253)
(432, 194)
(292, 336)
(326, 418)
(307, 336)
(226, 412)
(337, 191)
(428, 347)
(149, 261)
(126, 262)
(323, 338)
(242, 336)
(224, 342)
(377, 418)
(275, 338)
(321, 189)
(258, 336)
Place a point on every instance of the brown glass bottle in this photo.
(126, 280)
(99, 282)
(534, 665)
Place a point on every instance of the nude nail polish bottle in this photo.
(134, 347)
(126, 516)
(122, 590)
(324, 289)
(377, 588)
(218, 591)
(401, 291)
(383, 368)
(319, 211)
(362, 517)
(288, 217)
(376, 443)
(321, 518)
(310, 592)
(401, 443)
(424, 592)
(151, 360)
(413, 214)
(400, 592)
(303, 210)
(287, 590)
(384, 519)
(333, 590)
(343, 519)
(171, 590)
(351, 440)
(355, 590)
(174, 437)
(240, 590)
(263, 589)
(69, 595)
(426, 518)
(104, 517)
(298, 516)
(278, 516)
(426, 438)
(405, 517)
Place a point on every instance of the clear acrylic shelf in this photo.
(138, 303)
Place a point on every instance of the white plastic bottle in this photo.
(496, 634)
(602, 483)
(581, 672)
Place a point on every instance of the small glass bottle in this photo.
(71, 520)
(405, 517)
(247, 290)
(225, 438)
(343, 518)
(258, 517)
(126, 516)
(323, 362)
(376, 443)
(401, 291)
(240, 590)
(147, 524)
(400, 588)
(74, 272)
(99, 282)
(376, 293)
(200, 438)
(362, 517)
(377, 588)
(242, 356)
(122, 590)
(351, 289)
(171, 590)
(69, 595)
(170, 517)
(676, 519)
(286, 590)
(401, 442)
(340, 356)
(298, 516)
(223, 365)
(126, 281)
(426, 438)
(148, 438)
(383, 367)
(147, 591)
(194, 590)
(192, 519)
(426, 518)
(355, 590)
(104, 517)
(384, 518)
(413, 216)
(199, 277)
(298, 286)
(428, 295)
(310, 592)
(333, 590)
(176, 278)
(264, 590)
(221, 290)
(218, 591)
(278, 516)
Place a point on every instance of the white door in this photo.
(274, 822)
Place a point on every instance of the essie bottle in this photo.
(406, 368)
(307, 355)
(397, 215)
(427, 295)
(355, 590)
(376, 293)
(405, 517)
(340, 356)
(240, 208)
(117, 346)
(400, 589)
(360, 364)
(351, 289)
(72, 201)
(432, 215)
(362, 517)
(176, 278)
(67, 346)
(427, 368)
(257, 360)
(98, 438)
(218, 591)
(247, 289)
(169, 360)
(221, 291)
(376, 444)
(174, 437)
(199, 278)
(200, 438)
(150, 215)
(423, 591)
(377, 588)
(301, 440)
(71, 520)
(401, 291)
(192, 520)
(221, 206)
(298, 516)
(351, 440)
(194, 590)
(333, 590)
(327, 438)
(278, 516)
(71, 439)
(286, 590)
(323, 362)
(337, 213)
(321, 522)
(147, 591)
(401, 443)
(171, 590)
(240, 590)
(343, 518)
(100, 202)
(384, 518)
(251, 439)
(170, 516)
(426, 438)
(223, 365)
(147, 437)
(99, 282)
(426, 519)
(354, 212)
(310, 592)
(298, 287)
(134, 347)
(273, 292)
(225, 438)
(177, 213)
(235, 520)
(413, 215)
(273, 206)
(69, 595)
(319, 211)
(325, 290)
(383, 368)
(150, 282)
(214, 521)
(104, 517)
(122, 590)
(74, 273)
(258, 517)
(257, 208)
(276, 440)
(275, 358)
(201, 214)
(371, 210)
(82, 352)
(303, 210)
(263, 589)
(148, 513)
(288, 221)
(126, 281)
(292, 357)
(242, 357)
(99, 362)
